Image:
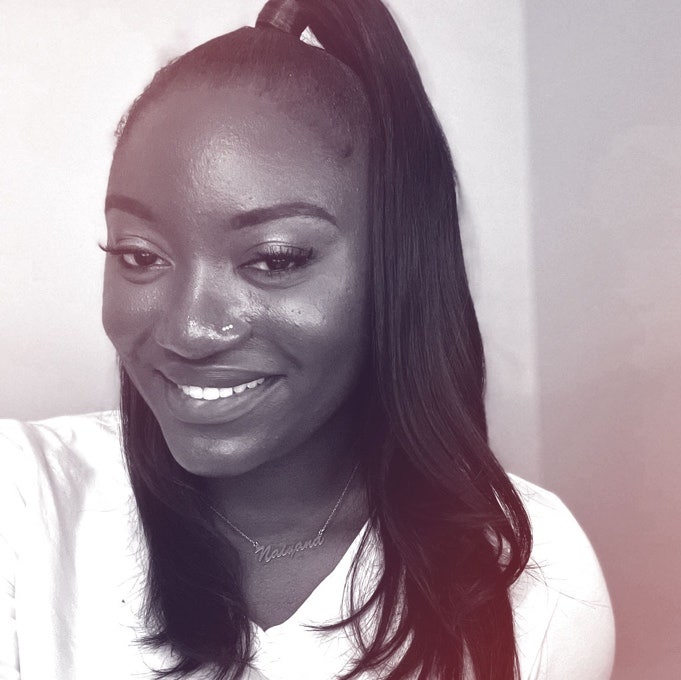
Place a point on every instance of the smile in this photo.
(213, 393)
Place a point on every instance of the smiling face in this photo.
(236, 280)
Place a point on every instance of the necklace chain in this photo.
(320, 534)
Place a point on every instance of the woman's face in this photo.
(236, 284)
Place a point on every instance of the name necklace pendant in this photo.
(273, 551)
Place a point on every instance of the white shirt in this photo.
(71, 579)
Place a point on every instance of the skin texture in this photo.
(198, 174)
(205, 287)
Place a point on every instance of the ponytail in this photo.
(453, 532)
(443, 506)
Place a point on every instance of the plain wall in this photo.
(605, 157)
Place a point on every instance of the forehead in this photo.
(241, 142)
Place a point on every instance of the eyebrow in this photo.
(278, 212)
(245, 219)
(129, 205)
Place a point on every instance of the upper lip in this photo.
(212, 376)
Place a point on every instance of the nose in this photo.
(205, 316)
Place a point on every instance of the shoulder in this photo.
(563, 616)
(71, 555)
(80, 434)
(60, 457)
(63, 428)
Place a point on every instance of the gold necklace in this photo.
(269, 552)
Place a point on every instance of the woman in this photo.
(302, 401)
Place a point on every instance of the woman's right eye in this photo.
(136, 258)
(140, 258)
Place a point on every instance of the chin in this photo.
(205, 456)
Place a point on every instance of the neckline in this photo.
(333, 604)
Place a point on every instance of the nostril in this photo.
(194, 339)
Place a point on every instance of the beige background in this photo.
(565, 122)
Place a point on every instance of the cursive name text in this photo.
(267, 553)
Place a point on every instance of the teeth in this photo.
(213, 393)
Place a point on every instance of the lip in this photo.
(212, 376)
(212, 412)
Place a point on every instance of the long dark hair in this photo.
(453, 532)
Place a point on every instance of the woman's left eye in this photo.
(278, 260)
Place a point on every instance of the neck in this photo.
(295, 493)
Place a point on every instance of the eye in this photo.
(136, 258)
(279, 259)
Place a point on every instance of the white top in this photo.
(71, 581)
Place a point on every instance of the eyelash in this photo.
(120, 253)
(293, 258)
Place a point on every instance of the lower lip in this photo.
(217, 411)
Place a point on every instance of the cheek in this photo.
(329, 323)
(343, 306)
(126, 312)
